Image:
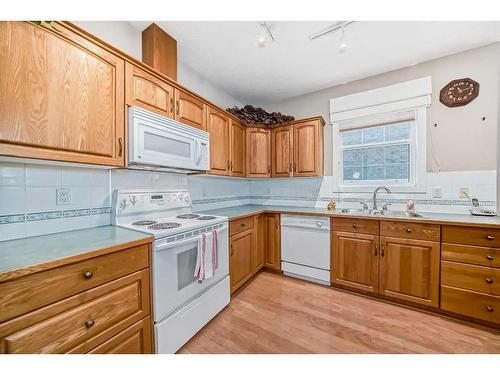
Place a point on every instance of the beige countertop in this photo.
(238, 212)
(33, 254)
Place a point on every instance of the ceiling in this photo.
(226, 52)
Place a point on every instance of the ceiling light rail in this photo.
(338, 26)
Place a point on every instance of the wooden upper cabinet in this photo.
(258, 152)
(282, 151)
(237, 147)
(218, 128)
(409, 270)
(355, 260)
(147, 91)
(308, 149)
(190, 110)
(61, 96)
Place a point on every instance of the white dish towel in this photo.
(206, 259)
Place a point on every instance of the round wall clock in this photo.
(459, 92)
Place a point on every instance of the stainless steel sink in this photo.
(388, 213)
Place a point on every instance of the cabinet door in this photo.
(240, 266)
(218, 127)
(308, 149)
(61, 96)
(355, 260)
(409, 270)
(135, 339)
(260, 249)
(190, 110)
(237, 146)
(258, 152)
(273, 248)
(282, 151)
(144, 90)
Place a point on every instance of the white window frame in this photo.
(386, 102)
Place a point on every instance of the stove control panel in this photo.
(128, 201)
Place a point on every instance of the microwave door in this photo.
(166, 148)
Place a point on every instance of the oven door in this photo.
(174, 284)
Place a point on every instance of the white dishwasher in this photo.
(305, 247)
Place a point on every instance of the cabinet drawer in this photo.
(483, 256)
(355, 225)
(471, 235)
(466, 276)
(404, 229)
(136, 339)
(473, 304)
(240, 225)
(75, 326)
(30, 292)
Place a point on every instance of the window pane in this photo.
(353, 157)
(374, 172)
(373, 135)
(352, 137)
(352, 173)
(373, 155)
(397, 154)
(397, 171)
(397, 132)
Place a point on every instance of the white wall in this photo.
(124, 36)
(463, 141)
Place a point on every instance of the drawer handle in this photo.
(490, 257)
(242, 224)
(408, 230)
(491, 238)
(89, 323)
(87, 275)
(490, 308)
(354, 225)
(488, 280)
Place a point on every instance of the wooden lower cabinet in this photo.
(110, 316)
(241, 250)
(136, 339)
(409, 270)
(401, 268)
(355, 261)
(260, 249)
(272, 251)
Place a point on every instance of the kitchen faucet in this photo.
(375, 208)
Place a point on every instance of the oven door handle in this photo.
(170, 245)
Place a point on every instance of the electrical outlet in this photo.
(63, 196)
(437, 193)
(463, 192)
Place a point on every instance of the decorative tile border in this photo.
(50, 215)
(433, 202)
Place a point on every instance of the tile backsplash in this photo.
(28, 194)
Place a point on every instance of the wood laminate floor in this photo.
(277, 314)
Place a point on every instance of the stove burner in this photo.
(159, 226)
(188, 216)
(207, 218)
(144, 222)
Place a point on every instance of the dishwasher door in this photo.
(305, 247)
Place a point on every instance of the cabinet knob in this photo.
(490, 257)
(491, 238)
(489, 280)
(408, 230)
(354, 225)
(89, 323)
(490, 308)
(87, 275)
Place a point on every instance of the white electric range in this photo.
(181, 304)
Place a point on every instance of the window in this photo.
(383, 154)
(379, 138)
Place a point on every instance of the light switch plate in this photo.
(63, 196)
(463, 191)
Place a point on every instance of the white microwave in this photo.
(158, 142)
